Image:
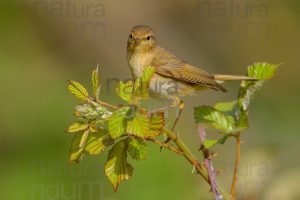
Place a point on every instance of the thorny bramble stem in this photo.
(209, 166)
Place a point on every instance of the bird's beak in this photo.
(137, 39)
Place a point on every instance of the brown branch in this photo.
(104, 104)
(114, 107)
(209, 165)
(236, 166)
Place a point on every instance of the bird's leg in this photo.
(180, 104)
(176, 102)
(162, 109)
(181, 107)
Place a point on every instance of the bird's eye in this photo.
(149, 37)
(130, 36)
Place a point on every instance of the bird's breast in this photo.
(138, 62)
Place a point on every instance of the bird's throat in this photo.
(139, 59)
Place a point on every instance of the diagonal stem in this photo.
(181, 107)
(236, 166)
(104, 104)
(162, 144)
(209, 165)
(212, 179)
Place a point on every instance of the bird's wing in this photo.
(169, 66)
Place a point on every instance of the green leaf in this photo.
(91, 143)
(83, 139)
(124, 90)
(210, 143)
(243, 121)
(117, 169)
(141, 85)
(75, 151)
(226, 106)
(95, 82)
(118, 121)
(229, 108)
(261, 71)
(93, 127)
(102, 124)
(147, 75)
(77, 127)
(78, 90)
(215, 118)
(138, 126)
(138, 87)
(156, 124)
(137, 148)
(134, 92)
(222, 140)
(97, 142)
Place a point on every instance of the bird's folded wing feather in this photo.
(169, 66)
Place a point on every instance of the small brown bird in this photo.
(173, 78)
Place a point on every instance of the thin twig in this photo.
(167, 146)
(104, 104)
(114, 107)
(181, 107)
(209, 166)
(236, 166)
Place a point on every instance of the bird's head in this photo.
(141, 38)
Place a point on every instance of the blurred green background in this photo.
(44, 43)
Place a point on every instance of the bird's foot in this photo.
(165, 143)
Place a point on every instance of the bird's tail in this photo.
(221, 77)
